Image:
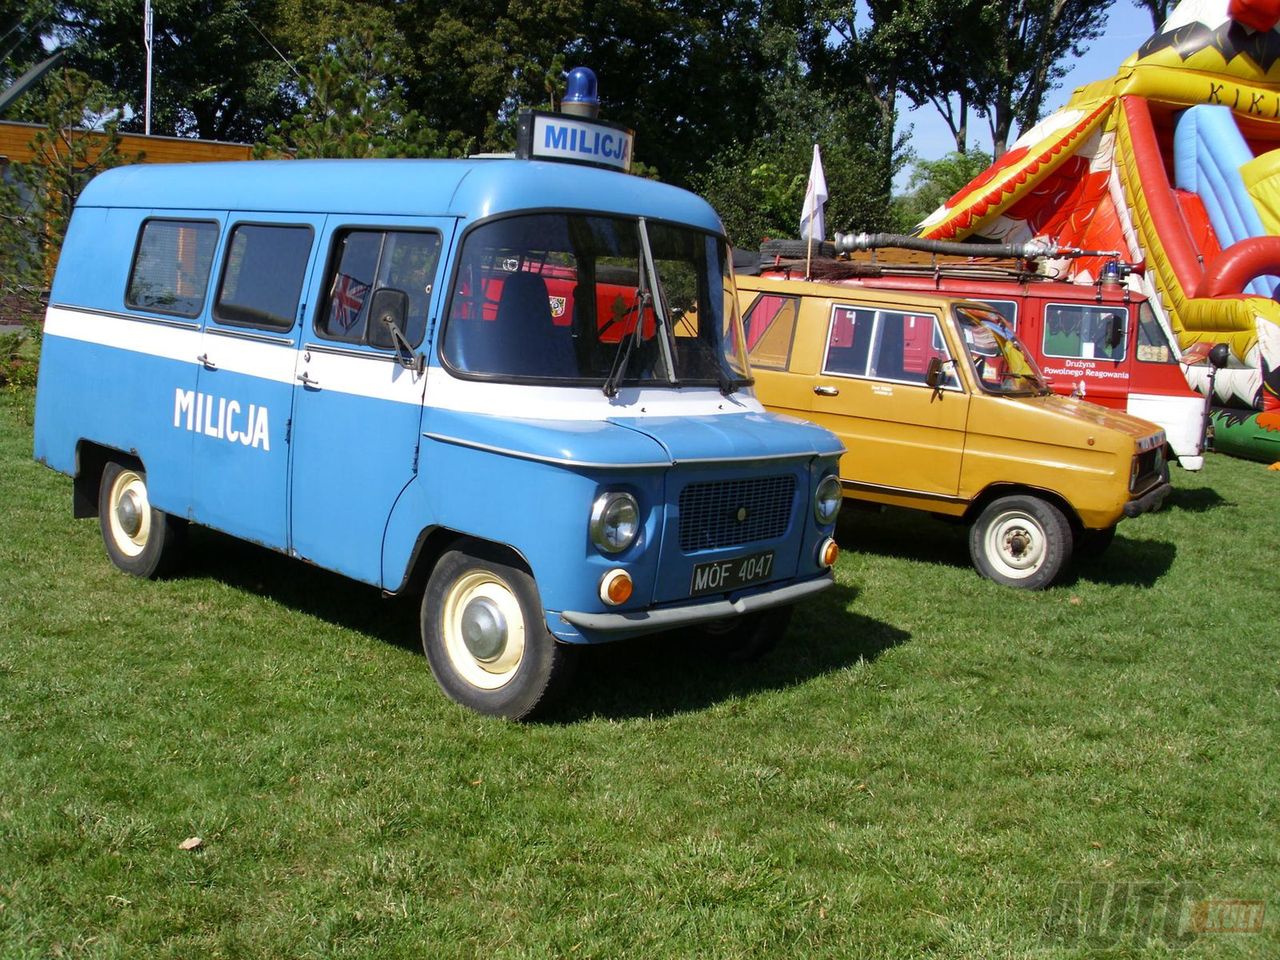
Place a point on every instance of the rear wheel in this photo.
(485, 637)
(745, 638)
(1020, 541)
(140, 539)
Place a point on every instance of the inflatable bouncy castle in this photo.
(1175, 162)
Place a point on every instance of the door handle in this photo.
(204, 361)
(825, 391)
(305, 379)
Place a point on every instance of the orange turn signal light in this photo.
(616, 587)
(828, 553)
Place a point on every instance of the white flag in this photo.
(815, 198)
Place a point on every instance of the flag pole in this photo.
(808, 258)
(147, 43)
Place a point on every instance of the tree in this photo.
(1030, 41)
(933, 182)
(78, 139)
(757, 184)
(22, 26)
(941, 61)
(215, 73)
(353, 106)
(1159, 10)
(844, 55)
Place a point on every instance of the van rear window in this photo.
(263, 274)
(170, 272)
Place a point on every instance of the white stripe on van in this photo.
(378, 378)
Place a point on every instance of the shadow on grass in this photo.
(299, 586)
(906, 534)
(643, 676)
(1136, 563)
(667, 674)
(911, 535)
(1194, 499)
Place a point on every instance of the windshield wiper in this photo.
(619, 366)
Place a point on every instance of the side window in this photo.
(771, 324)
(1085, 332)
(849, 341)
(366, 261)
(1006, 308)
(263, 275)
(884, 344)
(1153, 344)
(171, 264)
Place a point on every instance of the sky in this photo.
(1127, 27)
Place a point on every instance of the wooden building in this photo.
(15, 146)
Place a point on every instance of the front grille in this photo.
(725, 513)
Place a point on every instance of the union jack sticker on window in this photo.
(348, 299)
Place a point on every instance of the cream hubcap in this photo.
(484, 630)
(130, 513)
(1015, 544)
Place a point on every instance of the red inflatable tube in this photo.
(1238, 264)
(1165, 215)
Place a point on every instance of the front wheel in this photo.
(140, 539)
(484, 635)
(1020, 541)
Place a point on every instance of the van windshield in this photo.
(999, 361)
(594, 300)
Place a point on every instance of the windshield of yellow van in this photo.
(596, 300)
(1000, 363)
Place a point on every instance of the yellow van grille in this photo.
(725, 513)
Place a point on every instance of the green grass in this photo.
(910, 774)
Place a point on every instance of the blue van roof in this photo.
(470, 189)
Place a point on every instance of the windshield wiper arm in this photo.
(625, 345)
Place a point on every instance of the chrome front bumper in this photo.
(618, 625)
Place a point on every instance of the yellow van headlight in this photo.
(826, 500)
(615, 521)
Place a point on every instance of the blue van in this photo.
(519, 383)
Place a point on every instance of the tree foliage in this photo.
(1159, 10)
(933, 182)
(353, 105)
(37, 198)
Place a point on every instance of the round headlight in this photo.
(615, 521)
(826, 500)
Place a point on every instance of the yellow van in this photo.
(942, 410)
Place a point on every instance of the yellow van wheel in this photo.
(140, 539)
(1020, 541)
(485, 636)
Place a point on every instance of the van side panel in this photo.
(107, 376)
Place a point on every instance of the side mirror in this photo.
(1219, 354)
(389, 308)
(933, 374)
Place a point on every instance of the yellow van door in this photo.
(900, 433)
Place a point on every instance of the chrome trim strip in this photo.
(899, 491)
(248, 335)
(139, 318)
(348, 352)
(770, 456)
(648, 621)
(542, 458)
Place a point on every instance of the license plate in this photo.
(721, 576)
